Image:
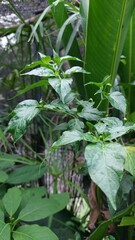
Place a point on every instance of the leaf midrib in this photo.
(118, 40)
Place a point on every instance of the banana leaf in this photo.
(107, 27)
(127, 70)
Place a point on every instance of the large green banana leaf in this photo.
(127, 71)
(60, 16)
(107, 26)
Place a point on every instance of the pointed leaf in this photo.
(62, 87)
(69, 58)
(41, 72)
(75, 69)
(31, 86)
(37, 209)
(105, 165)
(12, 200)
(72, 136)
(26, 174)
(22, 115)
(113, 128)
(74, 50)
(127, 221)
(67, 138)
(118, 101)
(3, 176)
(130, 160)
(88, 112)
(34, 232)
(4, 231)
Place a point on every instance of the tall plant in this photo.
(105, 27)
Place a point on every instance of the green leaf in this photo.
(41, 72)
(62, 87)
(4, 231)
(32, 86)
(113, 128)
(101, 230)
(88, 112)
(1, 215)
(127, 221)
(22, 115)
(3, 176)
(68, 137)
(75, 69)
(84, 7)
(72, 136)
(29, 193)
(76, 124)
(105, 165)
(32, 65)
(69, 58)
(44, 208)
(58, 106)
(8, 160)
(74, 50)
(26, 174)
(127, 71)
(104, 41)
(118, 101)
(33, 232)
(130, 160)
(12, 200)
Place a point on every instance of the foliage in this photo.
(98, 111)
(105, 159)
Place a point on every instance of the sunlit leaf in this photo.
(113, 127)
(21, 117)
(41, 72)
(105, 165)
(118, 101)
(88, 112)
(62, 87)
(72, 136)
(76, 69)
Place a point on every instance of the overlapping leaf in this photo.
(33, 232)
(45, 207)
(88, 112)
(113, 128)
(12, 200)
(105, 165)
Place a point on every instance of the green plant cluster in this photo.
(96, 94)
